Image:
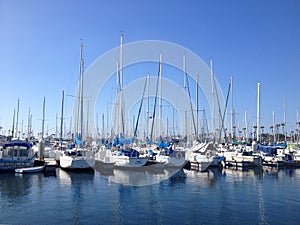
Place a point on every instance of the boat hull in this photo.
(125, 161)
(200, 162)
(34, 169)
(176, 159)
(11, 165)
(67, 162)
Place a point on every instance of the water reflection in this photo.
(77, 184)
(13, 186)
(141, 176)
(228, 196)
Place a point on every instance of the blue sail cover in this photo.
(148, 141)
(122, 141)
(162, 144)
(126, 141)
(78, 140)
(267, 149)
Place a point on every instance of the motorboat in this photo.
(16, 154)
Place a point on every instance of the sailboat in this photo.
(78, 156)
(165, 152)
(119, 153)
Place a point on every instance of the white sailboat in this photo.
(202, 155)
(79, 157)
(119, 154)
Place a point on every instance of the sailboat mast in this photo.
(117, 106)
(148, 105)
(160, 78)
(213, 98)
(103, 130)
(274, 126)
(232, 111)
(185, 100)
(246, 125)
(121, 84)
(81, 89)
(197, 105)
(43, 120)
(284, 118)
(29, 125)
(62, 117)
(17, 122)
(258, 112)
(13, 125)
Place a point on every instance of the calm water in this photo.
(214, 197)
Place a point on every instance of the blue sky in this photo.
(253, 41)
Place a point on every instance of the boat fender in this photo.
(207, 155)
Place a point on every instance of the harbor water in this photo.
(228, 196)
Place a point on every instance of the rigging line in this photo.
(140, 109)
(220, 112)
(121, 103)
(188, 86)
(155, 100)
(223, 118)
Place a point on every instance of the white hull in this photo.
(120, 160)
(34, 169)
(14, 164)
(176, 159)
(171, 161)
(200, 161)
(69, 162)
(125, 161)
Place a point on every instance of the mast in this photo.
(43, 120)
(107, 119)
(148, 106)
(140, 110)
(71, 134)
(258, 112)
(97, 129)
(103, 130)
(117, 106)
(284, 118)
(232, 111)
(246, 125)
(81, 90)
(185, 100)
(56, 125)
(160, 78)
(13, 125)
(155, 102)
(121, 84)
(62, 118)
(197, 105)
(17, 122)
(29, 125)
(274, 128)
(213, 99)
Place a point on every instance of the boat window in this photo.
(23, 153)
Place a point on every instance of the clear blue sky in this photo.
(252, 40)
